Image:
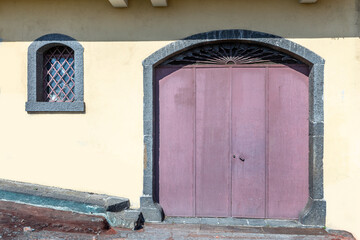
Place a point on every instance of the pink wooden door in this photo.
(213, 169)
(233, 141)
(248, 121)
(288, 141)
(176, 163)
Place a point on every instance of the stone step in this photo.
(61, 199)
(114, 209)
(132, 219)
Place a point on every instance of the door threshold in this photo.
(231, 221)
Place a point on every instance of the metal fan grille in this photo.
(230, 53)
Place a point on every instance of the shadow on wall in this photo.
(97, 20)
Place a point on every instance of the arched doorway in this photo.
(232, 135)
(215, 130)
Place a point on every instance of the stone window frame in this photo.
(36, 51)
(314, 213)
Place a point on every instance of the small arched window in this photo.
(59, 74)
(55, 75)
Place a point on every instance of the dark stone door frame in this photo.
(314, 213)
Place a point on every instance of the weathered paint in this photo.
(288, 141)
(248, 121)
(176, 158)
(212, 165)
(250, 126)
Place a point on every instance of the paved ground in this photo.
(18, 221)
(195, 232)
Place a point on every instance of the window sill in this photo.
(55, 107)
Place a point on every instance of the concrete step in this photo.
(114, 209)
(61, 199)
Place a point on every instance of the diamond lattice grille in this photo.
(59, 73)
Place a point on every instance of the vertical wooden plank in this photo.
(288, 142)
(177, 119)
(212, 142)
(248, 142)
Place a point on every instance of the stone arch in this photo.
(314, 213)
(35, 62)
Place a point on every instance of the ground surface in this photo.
(192, 232)
(18, 221)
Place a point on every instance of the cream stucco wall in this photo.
(102, 150)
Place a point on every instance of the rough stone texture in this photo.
(314, 213)
(55, 106)
(282, 223)
(254, 37)
(35, 63)
(209, 221)
(182, 220)
(234, 222)
(151, 211)
(148, 95)
(65, 205)
(116, 204)
(316, 167)
(152, 214)
(257, 222)
(16, 218)
(316, 114)
(59, 198)
(148, 127)
(316, 129)
(146, 201)
(148, 165)
(132, 219)
(316, 93)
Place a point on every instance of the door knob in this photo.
(242, 159)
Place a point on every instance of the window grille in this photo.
(231, 53)
(59, 74)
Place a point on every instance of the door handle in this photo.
(242, 159)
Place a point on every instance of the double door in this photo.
(233, 141)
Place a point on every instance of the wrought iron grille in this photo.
(230, 53)
(59, 73)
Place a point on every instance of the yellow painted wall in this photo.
(102, 150)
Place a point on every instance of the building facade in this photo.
(141, 99)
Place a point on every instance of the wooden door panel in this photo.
(212, 142)
(288, 141)
(207, 115)
(176, 160)
(248, 142)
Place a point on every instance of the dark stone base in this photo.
(314, 213)
(132, 219)
(151, 211)
(230, 221)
